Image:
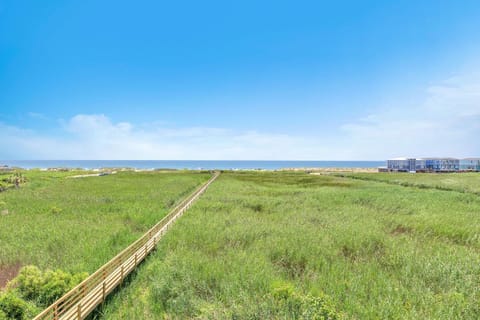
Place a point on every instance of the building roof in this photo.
(401, 158)
(437, 158)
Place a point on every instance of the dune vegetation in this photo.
(256, 245)
(297, 246)
(460, 182)
(56, 229)
(79, 224)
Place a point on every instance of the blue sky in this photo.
(332, 80)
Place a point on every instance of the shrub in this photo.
(3, 186)
(14, 307)
(29, 281)
(55, 210)
(305, 307)
(55, 284)
(282, 290)
(45, 287)
(318, 308)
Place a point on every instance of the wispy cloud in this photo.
(95, 136)
(445, 122)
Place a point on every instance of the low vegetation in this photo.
(461, 182)
(33, 290)
(79, 224)
(8, 181)
(49, 222)
(255, 246)
(286, 246)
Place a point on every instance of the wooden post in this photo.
(103, 290)
(121, 273)
(135, 259)
(55, 312)
(79, 311)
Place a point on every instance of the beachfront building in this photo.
(401, 164)
(442, 164)
(470, 164)
(420, 165)
(433, 165)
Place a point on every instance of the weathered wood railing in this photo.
(84, 298)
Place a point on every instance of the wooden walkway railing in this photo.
(84, 298)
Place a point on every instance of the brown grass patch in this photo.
(8, 272)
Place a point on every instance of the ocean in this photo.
(188, 164)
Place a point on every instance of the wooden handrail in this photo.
(86, 296)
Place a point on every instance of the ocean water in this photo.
(187, 164)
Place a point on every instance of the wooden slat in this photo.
(84, 298)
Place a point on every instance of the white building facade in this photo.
(470, 164)
(433, 164)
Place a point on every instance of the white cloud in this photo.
(97, 137)
(445, 123)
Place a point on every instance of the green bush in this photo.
(282, 290)
(34, 286)
(11, 181)
(29, 281)
(305, 307)
(45, 287)
(56, 210)
(318, 308)
(14, 307)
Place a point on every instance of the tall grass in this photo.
(79, 224)
(284, 245)
(461, 182)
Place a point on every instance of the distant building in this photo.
(470, 164)
(420, 165)
(442, 164)
(401, 164)
(432, 165)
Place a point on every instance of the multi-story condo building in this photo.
(432, 165)
(470, 164)
(401, 164)
(442, 164)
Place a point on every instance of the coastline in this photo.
(189, 165)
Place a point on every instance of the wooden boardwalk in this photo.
(84, 298)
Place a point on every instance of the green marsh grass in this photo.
(79, 224)
(468, 182)
(279, 245)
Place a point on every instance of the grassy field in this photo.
(285, 246)
(79, 224)
(461, 182)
